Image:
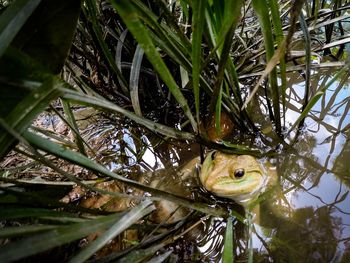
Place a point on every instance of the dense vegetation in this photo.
(166, 70)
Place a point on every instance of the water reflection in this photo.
(314, 179)
(308, 218)
(305, 219)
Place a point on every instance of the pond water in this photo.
(315, 183)
(306, 218)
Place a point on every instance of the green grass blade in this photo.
(224, 56)
(262, 10)
(119, 49)
(24, 212)
(228, 256)
(307, 45)
(61, 235)
(218, 113)
(72, 123)
(134, 80)
(12, 19)
(250, 225)
(104, 104)
(198, 7)
(277, 25)
(122, 224)
(77, 158)
(136, 27)
(26, 110)
(21, 231)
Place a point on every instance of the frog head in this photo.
(238, 177)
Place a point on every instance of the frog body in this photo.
(238, 177)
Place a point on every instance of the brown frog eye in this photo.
(239, 173)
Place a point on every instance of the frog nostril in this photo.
(213, 155)
(239, 173)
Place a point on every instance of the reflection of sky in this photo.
(330, 188)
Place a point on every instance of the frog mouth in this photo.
(227, 187)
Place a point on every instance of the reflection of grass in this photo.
(169, 68)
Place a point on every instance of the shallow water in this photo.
(306, 218)
(315, 184)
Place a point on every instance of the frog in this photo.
(238, 177)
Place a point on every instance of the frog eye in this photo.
(239, 173)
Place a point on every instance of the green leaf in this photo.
(198, 7)
(77, 158)
(36, 97)
(70, 119)
(21, 231)
(136, 27)
(134, 80)
(228, 256)
(122, 224)
(262, 10)
(97, 102)
(25, 247)
(12, 19)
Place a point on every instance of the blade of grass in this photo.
(71, 120)
(130, 18)
(221, 29)
(12, 19)
(262, 10)
(307, 45)
(27, 212)
(83, 161)
(119, 49)
(10, 232)
(95, 102)
(277, 26)
(122, 224)
(228, 256)
(61, 235)
(198, 8)
(250, 226)
(218, 114)
(134, 80)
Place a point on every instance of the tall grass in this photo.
(190, 60)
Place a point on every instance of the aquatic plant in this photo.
(186, 61)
